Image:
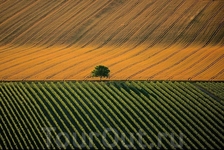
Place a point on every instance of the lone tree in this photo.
(100, 71)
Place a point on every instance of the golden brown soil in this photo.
(137, 40)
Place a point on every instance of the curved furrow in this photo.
(218, 30)
(97, 15)
(38, 16)
(205, 24)
(202, 38)
(91, 27)
(166, 58)
(4, 6)
(101, 60)
(218, 74)
(60, 19)
(13, 10)
(211, 71)
(121, 28)
(47, 64)
(37, 25)
(146, 28)
(6, 48)
(83, 24)
(124, 26)
(166, 31)
(176, 63)
(207, 67)
(160, 37)
(115, 20)
(201, 65)
(146, 57)
(133, 33)
(72, 14)
(87, 61)
(204, 56)
(142, 51)
(20, 61)
(67, 66)
(149, 29)
(219, 35)
(16, 51)
(21, 25)
(196, 33)
(80, 22)
(151, 13)
(18, 18)
(188, 25)
(57, 23)
(42, 60)
(18, 55)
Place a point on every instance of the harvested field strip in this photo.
(44, 59)
(104, 24)
(68, 31)
(149, 29)
(209, 60)
(28, 52)
(177, 62)
(135, 39)
(130, 17)
(28, 35)
(120, 28)
(213, 65)
(11, 9)
(189, 62)
(18, 21)
(113, 59)
(103, 21)
(70, 26)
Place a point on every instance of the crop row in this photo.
(109, 115)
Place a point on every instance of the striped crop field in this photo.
(111, 115)
(136, 39)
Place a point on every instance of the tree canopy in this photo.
(101, 71)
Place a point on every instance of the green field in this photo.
(114, 115)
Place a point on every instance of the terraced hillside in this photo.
(112, 115)
(144, 40)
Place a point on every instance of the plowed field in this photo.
(137, 40)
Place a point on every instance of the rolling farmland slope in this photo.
(117, 115)
(143, 40)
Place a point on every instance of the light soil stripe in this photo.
(17, 18)
(69, 28)
(13, 10)
(48, 24)
(14, 69)
(104, 22)
(36, 24)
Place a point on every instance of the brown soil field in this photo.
(137, 40)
